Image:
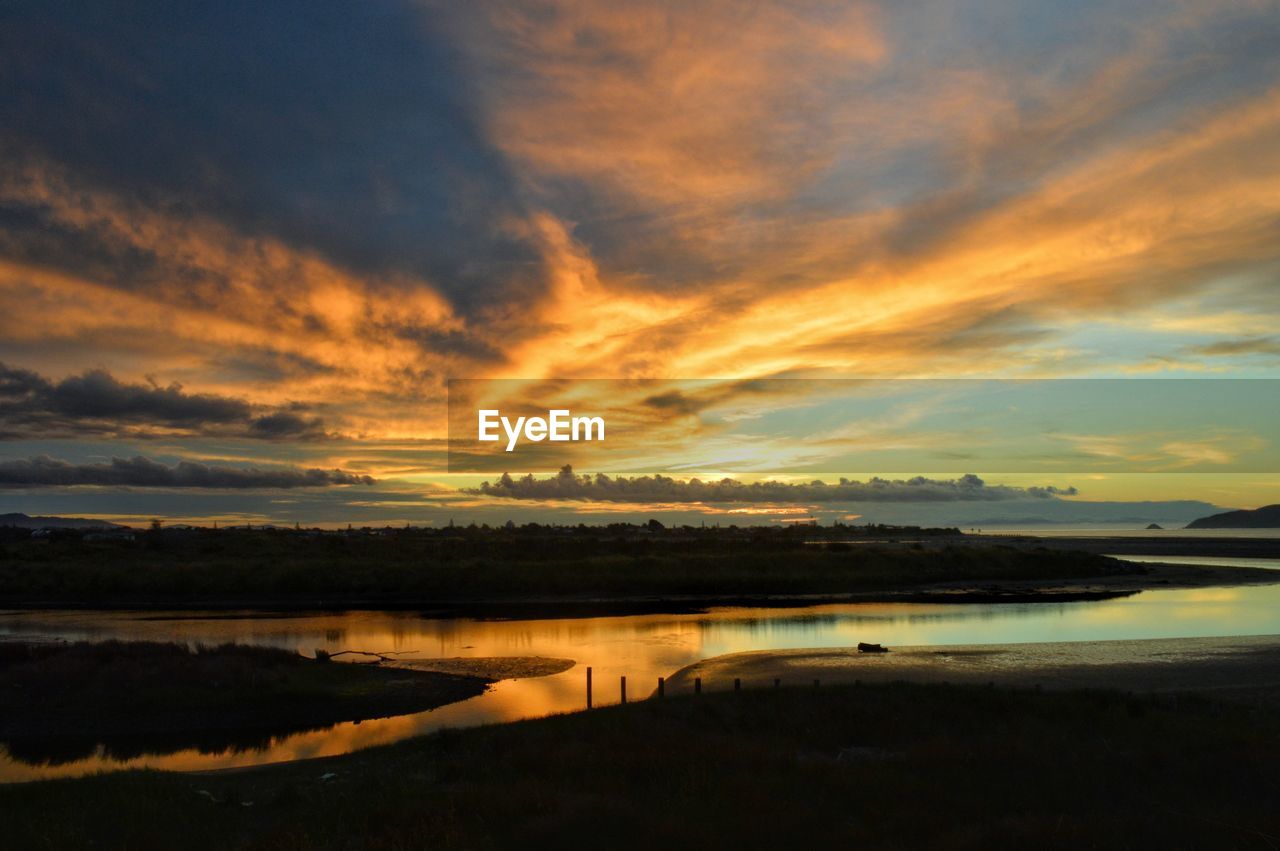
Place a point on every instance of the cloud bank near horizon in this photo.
(141, 472)
(566, 485)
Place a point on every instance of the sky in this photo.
(245, 246)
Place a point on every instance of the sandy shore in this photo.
(1245, 667)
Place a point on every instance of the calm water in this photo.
(642, 647)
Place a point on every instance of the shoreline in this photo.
(1243, 667)
(54, 714)
(1150, 577)
(230, 691)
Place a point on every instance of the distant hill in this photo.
(24, 521)
(1267, 517)
(1056, 512)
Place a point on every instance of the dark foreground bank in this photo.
(879, 766)
(59, 702)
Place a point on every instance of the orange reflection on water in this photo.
(640, 647)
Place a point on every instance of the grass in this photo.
(891, 766)
(208, 566)
(57, 701)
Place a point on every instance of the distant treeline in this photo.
(802, 531)
(533, 562)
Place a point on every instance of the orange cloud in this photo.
(715, 191)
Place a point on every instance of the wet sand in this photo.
(1244, 667)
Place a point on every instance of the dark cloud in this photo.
(96, 394)
(458, 343)
(677, 403)
(567, 485)
(347, 129)
(286, 424)
(97, 403)
(1242, 346)
(265, 365)
(43, 471)
(709, 393)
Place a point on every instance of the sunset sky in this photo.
(243, 247)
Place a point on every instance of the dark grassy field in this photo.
(890, 766)
(58, 701)
(409, 567)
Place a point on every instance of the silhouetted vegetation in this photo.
(894, 766)
(409, 566)
(58, 702)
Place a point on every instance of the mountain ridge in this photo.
(1266, 517)
(26, 521)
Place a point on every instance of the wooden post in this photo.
(624, 689)
(815, 683)
(697, 685)
(776, 682)
(737, 684)
(588, 688)
(662, 687)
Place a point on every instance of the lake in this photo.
(640, 647)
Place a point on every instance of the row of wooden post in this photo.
(662, 686)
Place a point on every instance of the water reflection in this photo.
(642, 647)
(55, 751)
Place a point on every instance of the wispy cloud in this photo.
(1243, 346)
(1157, 451)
